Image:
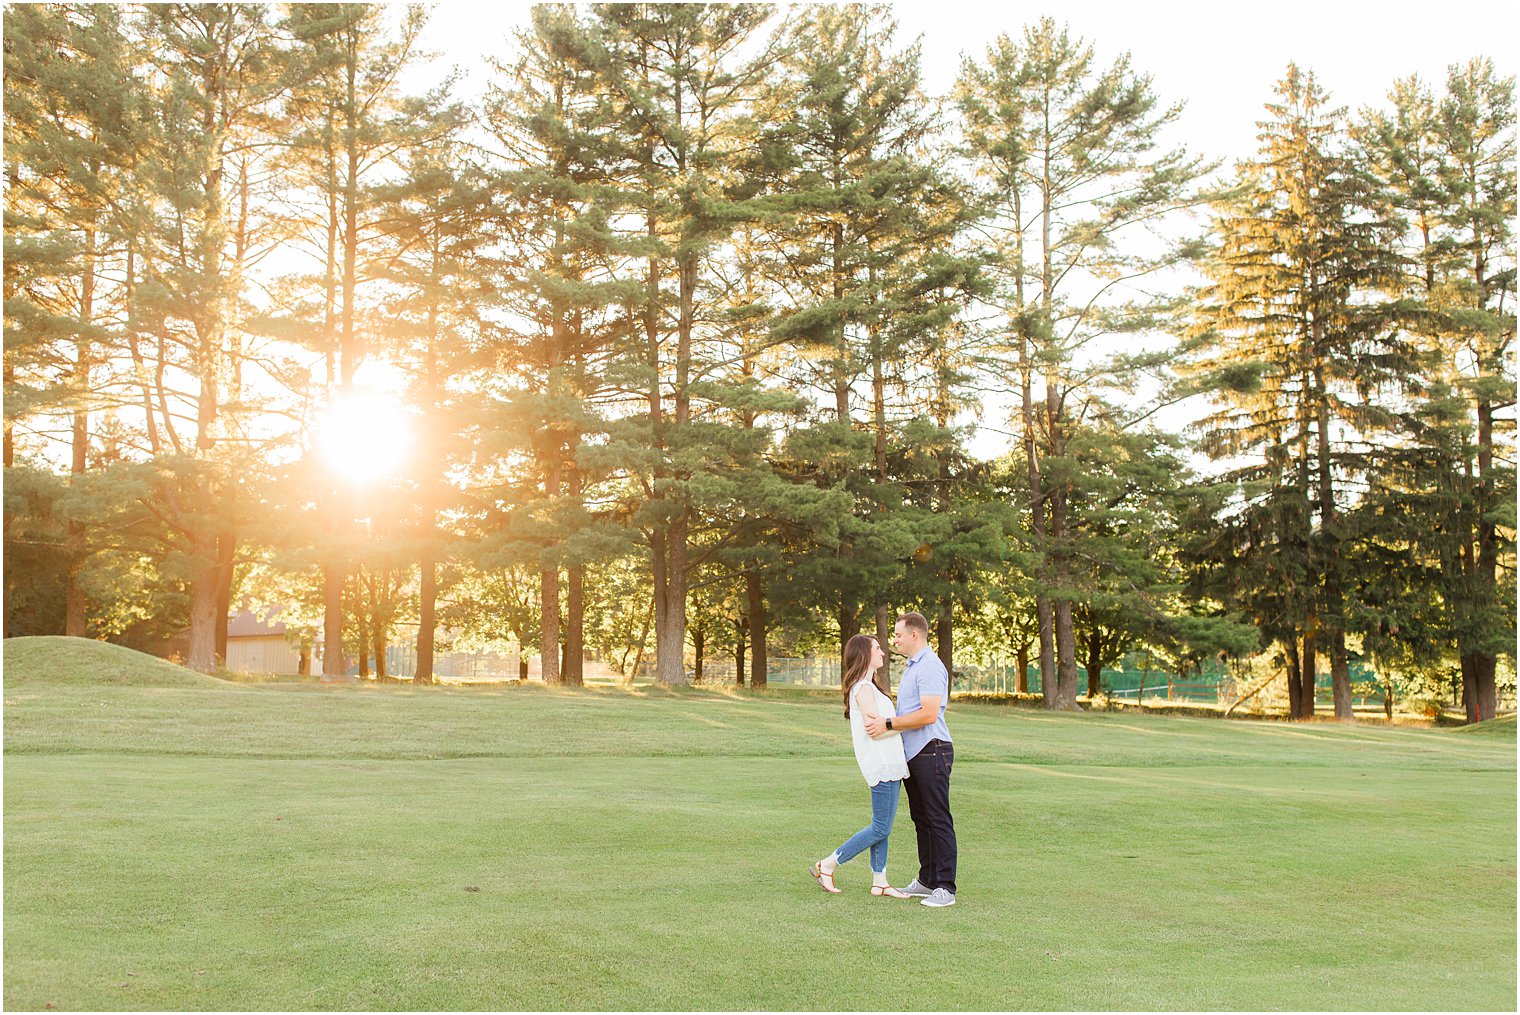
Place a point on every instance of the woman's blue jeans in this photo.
(883, 810)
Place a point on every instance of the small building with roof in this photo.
(258, 645)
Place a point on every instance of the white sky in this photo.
(1221, 57)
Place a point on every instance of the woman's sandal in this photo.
(818, 875)
(889, 892)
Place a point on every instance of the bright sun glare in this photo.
(365, 436)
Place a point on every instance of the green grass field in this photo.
(176, 842)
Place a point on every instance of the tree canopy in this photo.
(675, 345)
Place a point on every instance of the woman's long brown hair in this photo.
(857, 663)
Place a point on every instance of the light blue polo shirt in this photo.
(925, 675)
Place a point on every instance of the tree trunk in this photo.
(8, 368)
(884, 639)
(671, 638)
(160, 365)
(849, 627)
(669, 628)
(1485, 589)
(73, 597)
(548, 600)
(1470, 687)
(944, 638)
(759, 663)
(1295, 678)
(841, 362)
(1045, 612)
(669, 625)
(1331, 563)
(226, 558)
(204, 589)
(699, 646)
(659, 567)
(1340, 677)
(739, 647)
(1066, 635)
(139, 362)
(574, 673)
(364, 636)
(665, 670)
(1309, 678)
(1065, 667)
(1094, 665)
(74, 625)
(548, 625)
(1485, 692)
(675, 636)
(348, 364)
(1487, 695)
(303, 668)
(381, 669)
(427, 616)
(879, 449)
(9, 454)
(333, 667)
(349, 347)
(1021, 676)
(1066, 653)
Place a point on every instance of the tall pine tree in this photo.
(1065, 151)
(1294, 340)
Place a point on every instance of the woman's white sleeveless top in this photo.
(883, 759)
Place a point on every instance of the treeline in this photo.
(692, 309)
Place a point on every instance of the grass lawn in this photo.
(175, 843)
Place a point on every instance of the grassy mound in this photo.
(81, 662)
(1500, 726)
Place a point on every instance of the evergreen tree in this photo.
(72, 124)
(1066, 154)
(1293, 344)
(353, 120)
(669, 75)
(1130, 509)
(860, 247)
(561, 253)
(221, 70)
(967, 529)
(753, 505)
(433, 224)
(1439, 515)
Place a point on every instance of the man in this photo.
(921, 698)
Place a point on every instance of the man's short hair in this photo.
(917, 622)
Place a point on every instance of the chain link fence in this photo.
(1213, 685)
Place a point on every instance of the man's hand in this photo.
(875, 726)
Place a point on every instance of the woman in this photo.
(881, 761)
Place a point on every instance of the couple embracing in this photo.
(906, 744)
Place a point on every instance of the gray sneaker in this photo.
(939, 897)
(916, 890)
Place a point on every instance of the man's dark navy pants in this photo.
(928, 788)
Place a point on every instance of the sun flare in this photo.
(366, 436)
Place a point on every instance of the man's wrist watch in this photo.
(889, 724)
